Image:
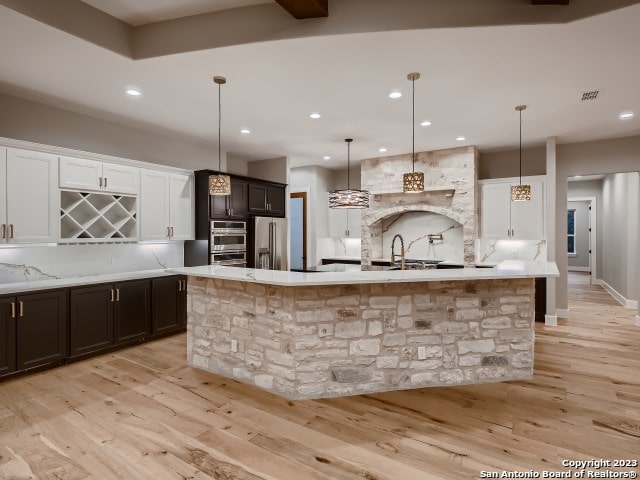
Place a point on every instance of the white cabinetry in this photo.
(502, 218)
(345, 220)
(28, 196)
(166, 206)
(93, 175)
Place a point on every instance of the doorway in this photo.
(298, 231)
(581, 236)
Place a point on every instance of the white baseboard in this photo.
(618, 296)
(563, 313)
(579, 269)
(551, 320)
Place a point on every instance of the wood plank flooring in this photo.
(142, 413)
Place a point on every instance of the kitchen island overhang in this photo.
(317, 335)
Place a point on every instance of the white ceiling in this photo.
(471, 80)
(141, 12)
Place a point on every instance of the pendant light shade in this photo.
(520, 193)
(413, 182)
(349, 198)
(219, 184)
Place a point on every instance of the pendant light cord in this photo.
(520, 147)
(219, 129)
(348, 165)
(413, 127)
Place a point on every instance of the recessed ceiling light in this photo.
(315, 115)
(461, 139)
(625, 116)
(326, 157)
(395, 95)
(382, 149)
(426, 123)
(245, 131)
(134, 92)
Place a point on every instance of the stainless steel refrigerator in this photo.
(270, 243)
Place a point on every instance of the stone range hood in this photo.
(451, 190)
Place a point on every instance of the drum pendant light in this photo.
(413, 182)
(520, 193)
(349, 198)
(219, 184)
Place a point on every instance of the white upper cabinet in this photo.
(92, 175)
(181, 210)
(28, 196)
(345, 220)
(166, 206)
(502, 218)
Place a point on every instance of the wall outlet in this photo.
(234, 345)
(422, 353)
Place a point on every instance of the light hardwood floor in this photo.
(142, 413)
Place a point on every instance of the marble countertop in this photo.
(506, 269)
(30, 286)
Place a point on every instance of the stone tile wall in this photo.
(455, 167)
(325, 341)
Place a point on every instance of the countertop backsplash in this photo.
(495, 251)
(33, 263)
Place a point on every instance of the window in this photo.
(571, 231)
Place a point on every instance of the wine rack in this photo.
(97, 217)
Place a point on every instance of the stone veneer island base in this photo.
(306, 336)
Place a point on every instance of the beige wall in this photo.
(506, 163)
(39, 123)
(272, 169)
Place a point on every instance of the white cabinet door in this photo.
(31, 196)
(120, 178)
(495, 210)
(343, 220)
(80, 173)
(181, 218)
(3, 194)
(154, 205)
(527, 218)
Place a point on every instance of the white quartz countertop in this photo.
(506, 269)
(30, 286)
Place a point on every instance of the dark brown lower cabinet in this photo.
(132, 311)
(168, 304)
(90, 319)
(7, 335)
(41, 328)
(105, 315)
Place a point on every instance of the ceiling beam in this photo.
(302, 9)
(550, 2)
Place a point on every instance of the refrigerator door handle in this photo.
(276, 265)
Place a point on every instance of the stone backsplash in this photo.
(325, 341)
(451, 180)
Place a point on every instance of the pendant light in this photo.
(520, 193)
(413, 182)
(349, 198)
(219, 184)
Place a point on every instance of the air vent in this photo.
(592, 95)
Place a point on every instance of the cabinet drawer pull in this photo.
(21, 310)
(105, 182)
(11, 230)
(117, 294)
(179, 285)
(184, 285)
(112, 297)
(171, 232)
(13, 309)
(4, 230)
(168, 232)
(100, 181)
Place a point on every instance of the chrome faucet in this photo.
(393, 253)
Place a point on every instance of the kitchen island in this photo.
(327, 334)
